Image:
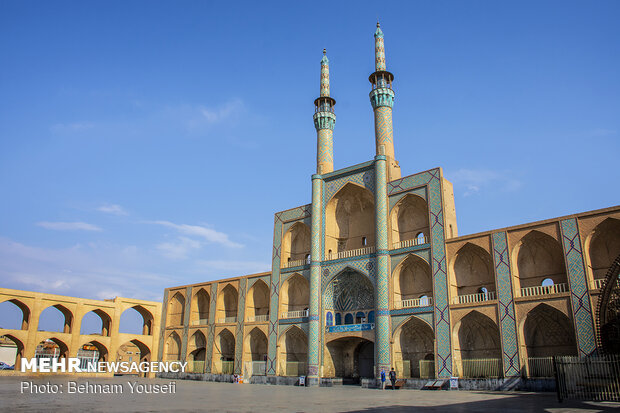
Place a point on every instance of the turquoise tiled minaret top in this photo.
(324, 75)
(379, 50)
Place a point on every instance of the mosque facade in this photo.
(372, 275)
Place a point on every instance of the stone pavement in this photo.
(192, 396)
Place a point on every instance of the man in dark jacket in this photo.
(393, 378)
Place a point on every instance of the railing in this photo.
(543, 290)
(414, 302)
(259, 368)
(427, 369)
(540, 367)
(227, 320)
(295, 368)
(588, 378)
(224, 367)
(409, 243)
(598, 283)
(403, 369)
(196, 367)
(295, 263)
(474, 298)
(350, 253)
(294, 314)
(256, 318)
(481, 368)
(200, 322)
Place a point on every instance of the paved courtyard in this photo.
(191, 396)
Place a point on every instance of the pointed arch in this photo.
(19, 351)
(409, 219)
(292, 352)
(411, 279)
(294, 295)
(296, 243)
(603, 246)
(200, 307)
(414, 349)
(142, 313)
(472, 271)
(176, 310)
(257, 301)
(350, 219)
(196, 351)
(67, 315)
(548, 332)
(477, 346)
(255, 345)
(52, 348)
(25, 310)
(538, 257)
(172, 347)
(351, 291)
(223, 352)
(104, 317)
(227, 302)
(85, 351)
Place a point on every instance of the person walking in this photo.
(382, 379)
(393, 378)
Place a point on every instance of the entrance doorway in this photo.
(351, 358)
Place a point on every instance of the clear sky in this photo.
(148, 144)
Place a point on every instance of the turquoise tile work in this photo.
(580, 300)
(211, 331)
(507, 320)
(240, 324)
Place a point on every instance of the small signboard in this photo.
(302, 380)
(454, 383)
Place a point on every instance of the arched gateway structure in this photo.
(72, 338)
(373, 275)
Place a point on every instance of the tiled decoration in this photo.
(240, 323)
(211, 330)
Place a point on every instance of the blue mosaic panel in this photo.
(316, 241)
(351, 327)
(162, 329)
(281, 218)
(432, 179)
(240, 323)
(187, 312)
(363, 265)
(580, 300)
(507, 320)
(211, 328)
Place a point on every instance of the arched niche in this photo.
(412, 279)
(604, 247)
(477, 348)
(292, 352)
(409, 219)
(227, 301)
(296, 243)
(176, 310)
(196, 349)
(350, 219)
(257, 301)
(223, 352)
(135, 351)
(548, 332)
(294, 295)
(96, 322)
(255, 345)
(57, 318)
(352, 292)
(172, 347)
(414, 349)
(16, 314)
(200, 308)
(52, 348)
(136, 320)
(539, 256)
(472, 271)
(350, 358)
(91, 353)
(18, 353)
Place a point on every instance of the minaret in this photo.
(324, 121)
(382, 100)
(386, 169)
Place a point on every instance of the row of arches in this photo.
(256, 305)
(59, 318)
(350, 224)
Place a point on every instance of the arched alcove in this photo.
(224, 353)
(52, 348)
(296, 243)
(478, 346)
(172, 347)
(136, 320)
(412, 280)
(56, 318)
(96, 322)
(409, 219)
(473, 272)
(539, 257)
(604, 247)
(294, 296)
(200, 308)
(227, 301)
(176, 310)
(135, 351)
(257, 302)
(413, 347)
(255, 346)
(18, 351)
(91, 353)
(350, 219)
(548, 332)
(351, 293)
(292, 352)
(15, 315)
(196, 352)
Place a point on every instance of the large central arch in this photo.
(351, 358)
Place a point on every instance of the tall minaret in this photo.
(382, 100)
(324, 121)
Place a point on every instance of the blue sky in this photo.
(148, 144)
